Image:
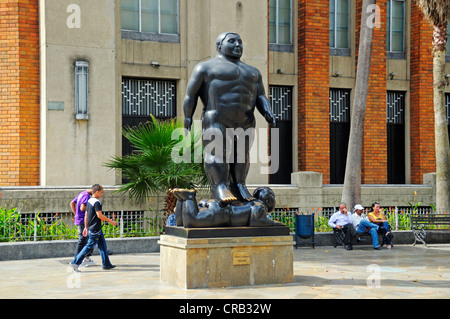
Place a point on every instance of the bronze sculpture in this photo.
(229, 90)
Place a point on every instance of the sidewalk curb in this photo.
(137, 245)
(66, 248)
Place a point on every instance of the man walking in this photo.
(93, 227)
(78, 206)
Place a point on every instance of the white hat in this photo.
(359, 207)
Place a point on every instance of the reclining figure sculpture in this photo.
(209, 213)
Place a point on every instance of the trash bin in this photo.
(304, 229)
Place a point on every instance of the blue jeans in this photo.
(373, 231)
(95, 238)
(82, 241)
(387, 228)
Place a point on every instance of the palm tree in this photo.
(150, 169)
(351, 193)
(437, 13)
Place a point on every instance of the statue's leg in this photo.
(220, 186)
(179, 213)
(241, 165)
(258, 216)
(216, 164)
(186, 208)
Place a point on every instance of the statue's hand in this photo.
(270, 118)
(188, 123)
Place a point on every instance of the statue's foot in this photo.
(183, 193)
(264, 222)
(243, 191)
(223, 195)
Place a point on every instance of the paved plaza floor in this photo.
(324, 272)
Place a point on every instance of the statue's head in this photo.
(267, 196)
(230, 45)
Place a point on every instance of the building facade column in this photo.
(20, 91)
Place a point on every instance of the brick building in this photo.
(20, 91)
(71, 70)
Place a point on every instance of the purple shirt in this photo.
(82, 198)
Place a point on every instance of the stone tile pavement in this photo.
(324, 272)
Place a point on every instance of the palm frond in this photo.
(151, 168)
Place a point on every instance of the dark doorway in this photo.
(281, 103)
(339, 133)
(395, 137)
(142, 98)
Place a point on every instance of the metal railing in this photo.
(16, 226)
(397, 216)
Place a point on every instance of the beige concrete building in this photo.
(103, 66)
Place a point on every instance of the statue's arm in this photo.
(262, 102)
(192, 94)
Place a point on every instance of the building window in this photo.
(280, 22)
(81, 90)
(396, 29)
(340, 27)
(150, 16)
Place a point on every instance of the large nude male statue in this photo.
(229, 90)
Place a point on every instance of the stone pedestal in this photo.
(222, 257)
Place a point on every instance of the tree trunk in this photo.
(351, 194)
(169, 205)
(440, 121)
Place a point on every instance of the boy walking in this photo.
(93, 227)
(78, 206)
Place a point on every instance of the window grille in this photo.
(395, 107)
(149, 97)
(81, 90)
(280, 98)
(339, 105)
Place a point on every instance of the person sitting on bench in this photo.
(376, 216)
(342, 220)
(363, 225)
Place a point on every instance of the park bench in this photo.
(339, 238)
(420, 223)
